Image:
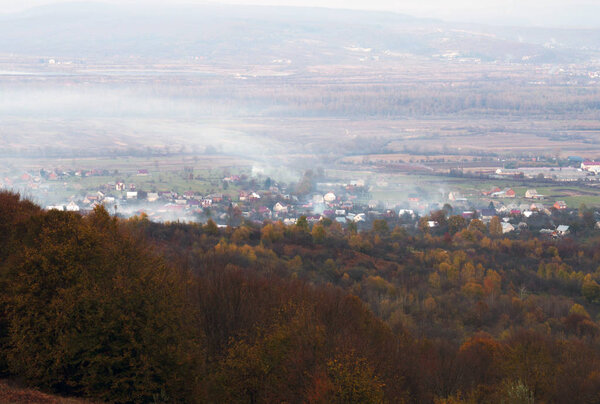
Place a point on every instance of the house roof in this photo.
(488, 212)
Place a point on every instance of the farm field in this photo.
(397, 188)
(131, 164)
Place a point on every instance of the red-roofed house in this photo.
(560, 205)
(494, 190)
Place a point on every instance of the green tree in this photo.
(456, 223)
(495, 227)
(211, 228)
(302, 223)
(92, 312)
(353, 380)
(590, 289)
(318, 233)
(477, 225)
(380, 226)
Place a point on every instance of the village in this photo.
(240, 198)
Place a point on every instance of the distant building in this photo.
(533, 194)
(72, 207)
(591, 166)
(408, 212)
(329, 197)
(492, 191)
(505, 193)
(452, 196)
(560, 205)
(562, 230)
(280, 208)
(487, 214)
(469, 214)
(507, 227)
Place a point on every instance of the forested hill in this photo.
(133, 311)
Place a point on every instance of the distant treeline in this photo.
(135, 311)
(388, 99)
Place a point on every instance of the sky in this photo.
(567, 13)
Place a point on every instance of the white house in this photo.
(279, 208)
(72, 207)
(507, 227)
(453, 196)
(532, 194)
(329, 197)
(403, 212)
(359, 218)
(591, 166)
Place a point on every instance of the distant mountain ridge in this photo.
(258, 34)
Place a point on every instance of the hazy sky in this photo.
(574, 13)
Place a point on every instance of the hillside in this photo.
(11, 394)
(135, 311)
(257, 35)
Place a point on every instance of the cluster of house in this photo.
(41, 180)
(559, 174)
(342, 203)
(514, 215)
(529, 194)
(32, 180)
(496, 192)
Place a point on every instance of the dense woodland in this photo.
(135, 311)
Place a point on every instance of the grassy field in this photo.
(398, 187)
(130, 164)
(205, 182)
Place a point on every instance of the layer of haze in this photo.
(564, 13)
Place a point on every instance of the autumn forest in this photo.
(120, 310)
